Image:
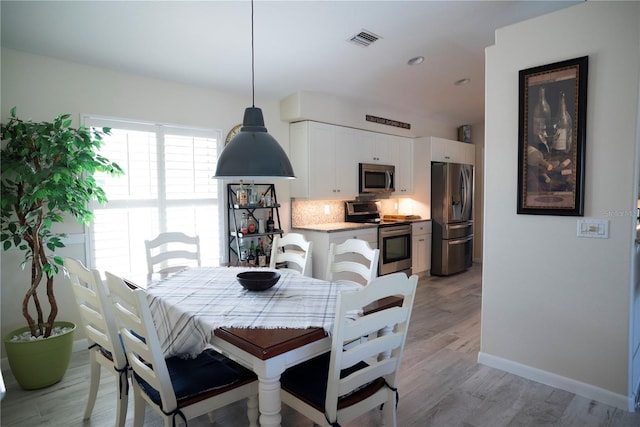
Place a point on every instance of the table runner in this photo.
(189, 305)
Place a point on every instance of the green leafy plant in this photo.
(47, 175)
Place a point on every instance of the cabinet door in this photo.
(299, 157)
(421, 247)
(421, 257)
(322, 167)
(382, 149)
(403, 161)
(469, 153)
(369, 235)
(345, 163)
(375, 148)
(444, 150)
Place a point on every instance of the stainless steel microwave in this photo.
(376, 179)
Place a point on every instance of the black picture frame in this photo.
(551, 151)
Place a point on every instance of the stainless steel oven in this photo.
(394, 238)
(394, 242)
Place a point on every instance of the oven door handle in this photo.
(398, 232)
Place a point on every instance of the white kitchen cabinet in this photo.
(322, 239)
(403, 161)
(374, 147)
(469, 153)
(323, 159)
(421, 246)
(445, 150)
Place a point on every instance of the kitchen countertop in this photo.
(335, 226)
(345, 226)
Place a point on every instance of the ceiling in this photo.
(299, 45)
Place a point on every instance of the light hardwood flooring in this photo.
(441, 383)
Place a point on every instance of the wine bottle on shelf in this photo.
(270, 223)
(563, 125)
(541, 121)
(262, 257)
(251, 257)
(267, 254)
(242, 250)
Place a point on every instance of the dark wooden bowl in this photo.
(258, 280)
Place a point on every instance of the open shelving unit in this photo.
(254, 212)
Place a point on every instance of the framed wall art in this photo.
(551, 138)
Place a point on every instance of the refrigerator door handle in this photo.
(465, 192)
(460, 241)
(460, 225)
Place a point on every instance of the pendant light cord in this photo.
(253, 83)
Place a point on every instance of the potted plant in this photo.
(47, 177)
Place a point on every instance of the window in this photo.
(167, 186)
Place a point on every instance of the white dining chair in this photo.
(336, 387)
(172, 251)
(352, 261)
(177, 388)
(294, 250)
(105, 347)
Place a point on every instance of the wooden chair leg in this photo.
(389, 411)
(94, 384)
(139, 407)
(123, 399)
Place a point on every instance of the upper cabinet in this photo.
(403, 161)
(375, 148)
(325, 159)
(445, 150)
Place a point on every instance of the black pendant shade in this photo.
(253, 153)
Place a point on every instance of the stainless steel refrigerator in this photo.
(451, 217)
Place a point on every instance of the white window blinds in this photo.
(166, 186)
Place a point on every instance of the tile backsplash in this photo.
(307, 212)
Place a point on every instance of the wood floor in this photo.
(441, 383)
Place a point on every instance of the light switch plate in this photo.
(593, 228)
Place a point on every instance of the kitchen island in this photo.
(322, 235)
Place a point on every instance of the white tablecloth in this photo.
(189, 305)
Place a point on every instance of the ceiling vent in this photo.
(364, 38)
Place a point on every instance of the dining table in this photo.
(266, 331)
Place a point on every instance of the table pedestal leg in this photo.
(269, 401)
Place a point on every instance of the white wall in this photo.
(43, 87)
(557, 308)
(337, 110)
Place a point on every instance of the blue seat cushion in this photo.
(195, 379)
(308, 382)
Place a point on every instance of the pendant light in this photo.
(253, 153)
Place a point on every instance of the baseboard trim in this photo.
(577, 387)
